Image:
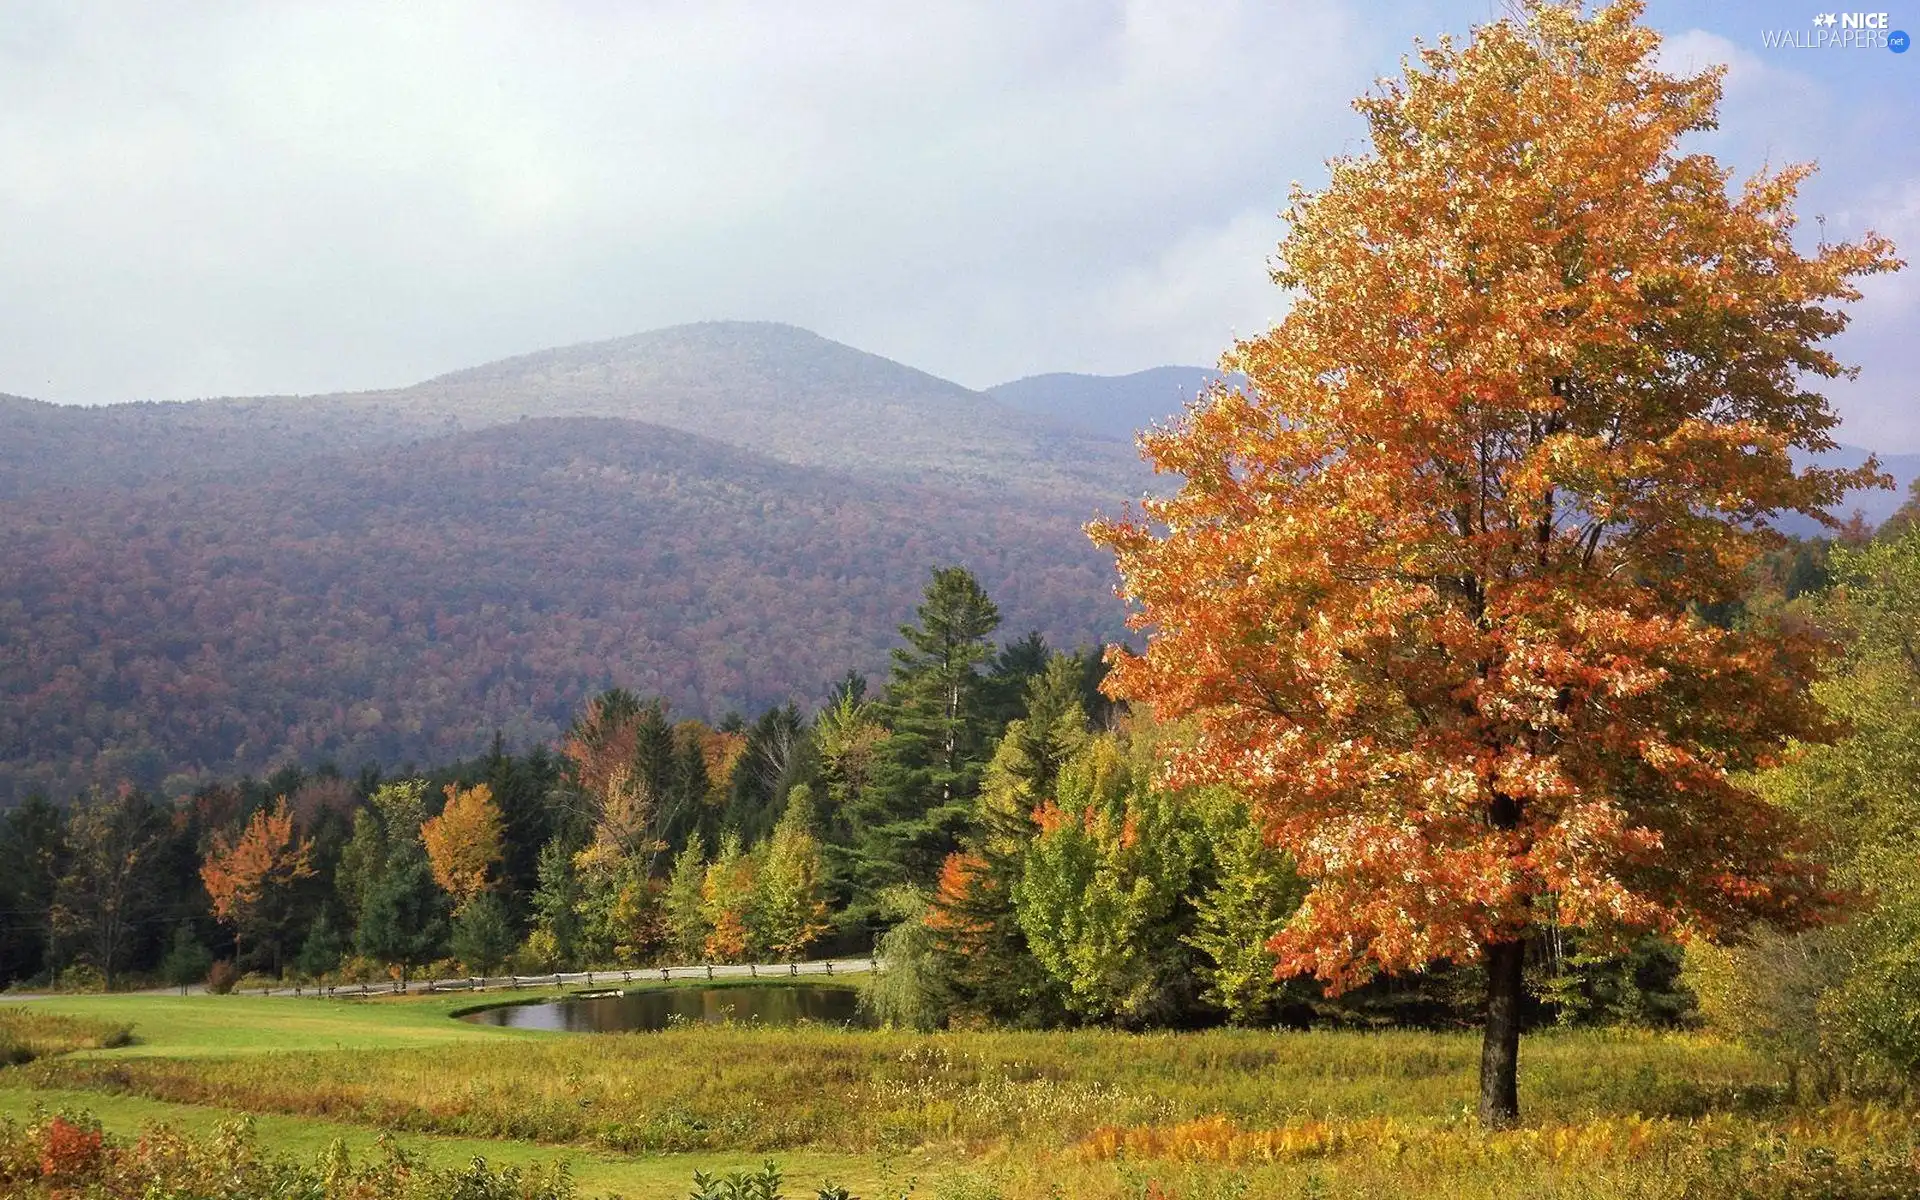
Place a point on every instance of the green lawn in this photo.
(195, 1026)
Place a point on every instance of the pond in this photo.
(658, 1008)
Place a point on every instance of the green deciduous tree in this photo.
(686, 906)
(110, 886)
(1103, 895)
(1840, 1000)
(791, 906)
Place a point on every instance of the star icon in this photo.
(1827, 19)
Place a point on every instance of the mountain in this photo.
(772, 389)
(403, 605)
(1113, 406)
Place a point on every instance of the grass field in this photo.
(975, 1116)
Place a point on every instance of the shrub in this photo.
(222, 977)
(68, 1155)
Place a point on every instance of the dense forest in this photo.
(405, 605)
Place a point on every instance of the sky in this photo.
(238, 198)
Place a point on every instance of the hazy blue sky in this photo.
(236, 198)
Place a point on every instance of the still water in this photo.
(657, 1008)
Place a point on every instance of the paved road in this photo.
(588, 979)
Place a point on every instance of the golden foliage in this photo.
(465, 841)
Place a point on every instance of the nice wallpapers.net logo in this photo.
(1841, 31)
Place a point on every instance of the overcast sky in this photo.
(241, 198)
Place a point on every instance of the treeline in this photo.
(639, 839)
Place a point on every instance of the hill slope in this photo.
(403, 605)
(771, 389)
(1113, 406)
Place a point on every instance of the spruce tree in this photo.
(941, 733)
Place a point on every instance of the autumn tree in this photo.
(728, 896)
(1432, 582)
(250, 878)
(792, 913)
(464, 842)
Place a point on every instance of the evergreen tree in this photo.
(556, 907)
(187, 961)
(1019, 662)
(482, 935)
(33, 857)
(779, 755)
(940, 737)
(520, 786)
(403, 924)
(321, 952)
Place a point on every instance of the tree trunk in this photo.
(1500, 1051)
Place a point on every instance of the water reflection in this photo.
(657, 1008)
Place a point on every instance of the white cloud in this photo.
(278, 197)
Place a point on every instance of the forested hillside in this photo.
(403, 605)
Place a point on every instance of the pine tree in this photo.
(187, 961)
(482, 935)
(556, 907)
(403, 924)
(939, 740)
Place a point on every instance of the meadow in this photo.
(964, 1115)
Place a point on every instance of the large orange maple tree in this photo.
(1434, 582)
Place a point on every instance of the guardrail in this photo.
(621, 978)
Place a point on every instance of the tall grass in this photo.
(1108, 1116)
(705, 1087)
(29, 1033)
